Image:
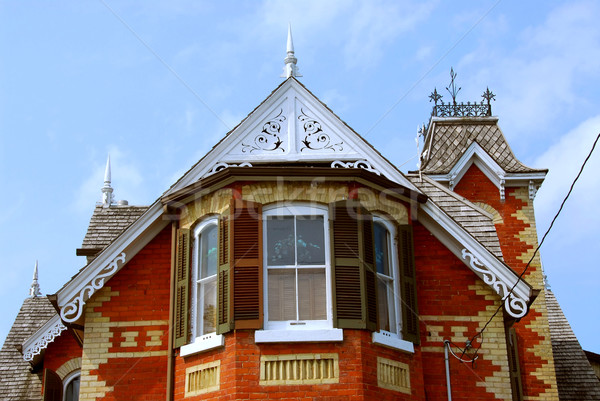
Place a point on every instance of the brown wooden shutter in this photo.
(224, 322)
(53, 386)
(513, 364)
(182, 273)
(408, 285)
(354, 277)
(246, 252)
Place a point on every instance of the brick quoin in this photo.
(476, 187)
(143, 288)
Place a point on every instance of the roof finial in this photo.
(107, 191)
(34, 291)
(290, 69)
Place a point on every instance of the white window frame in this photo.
(383, 337)
(298, 330)
(68, 379)
(210, 340)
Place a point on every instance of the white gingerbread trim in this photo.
(74, 309)
(44, 336)
(222, 165)
(364, 164)
(515, 306)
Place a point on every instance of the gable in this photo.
(292, 126)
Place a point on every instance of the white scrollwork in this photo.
(364, 164)
(222, 166)
(515, 306)
(43, 342)
(73, 310)
(269, 137)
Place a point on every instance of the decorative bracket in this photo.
(451, 183)
(42, 343)
(533, 188)
(502, 187)
(364, 164)
(222, 166)
(73, 310)
(515, 306)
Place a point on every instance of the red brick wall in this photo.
(143, 295)
(476, 187)
(61, 350)
(446, 291)
(240, 363)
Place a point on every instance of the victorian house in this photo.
(294, 261)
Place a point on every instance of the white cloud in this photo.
(564, 159)
(540, 78)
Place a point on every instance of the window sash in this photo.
(388, 302)
(297, 308)
(202, 327)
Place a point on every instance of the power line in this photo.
(480, 333)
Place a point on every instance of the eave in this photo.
(230, 175)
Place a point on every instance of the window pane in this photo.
(381, 249)
(209, 306)
(280, 241)
(384, 312)
(72, 391)
(311, 240)
(282, 294)
(312, 294)
(208, 252)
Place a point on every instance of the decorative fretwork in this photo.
(364, 164)
(268, 139)
(73, 310)
(393, 375)
(203, 378)
(315, 138)
(222, 166)
(454, 109)
(41, 344)
(299, 369)
(515, 306)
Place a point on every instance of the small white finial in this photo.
(290, 69)
(107, 191)
(34, 291)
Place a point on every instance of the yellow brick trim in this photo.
(393, 375)
(298, 369)
(203, 378)
(68, 367)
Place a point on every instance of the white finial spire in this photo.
(290, 69)
(107, 191)
(34, 291)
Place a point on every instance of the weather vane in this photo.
(452, 88)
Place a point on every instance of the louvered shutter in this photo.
(246, 255)
(182, 271)
(513, 364)
(224, 323)
(354, 277)
(408, 284)
(53, 386)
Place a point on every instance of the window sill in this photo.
(391, 341)
(293, 336)
(203, 343)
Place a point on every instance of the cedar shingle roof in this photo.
(108, 223)
(466, 214)
(574, 375)
(451, 137)
(16, 380)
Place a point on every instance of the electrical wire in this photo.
(480, 333)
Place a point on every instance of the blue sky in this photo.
(157, 84)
